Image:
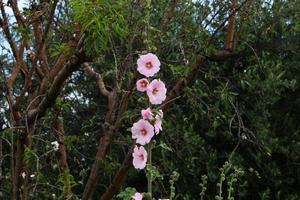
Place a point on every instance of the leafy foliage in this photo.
(102, 21)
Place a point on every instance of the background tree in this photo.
(68, 72)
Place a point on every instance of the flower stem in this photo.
(149, 177)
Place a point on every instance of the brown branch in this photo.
(108, 131)
(98, 78)
(23, 69)
(59, 132)
(5, 26)
(49, 22)
(72, 44)
(56, 87)
(168, 15)
(41, 52)
(230, 33)
(17, 179)
(19, 18)
(111, 126)
(17, 69)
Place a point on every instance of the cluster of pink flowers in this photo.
(149, 65)
(151, 122)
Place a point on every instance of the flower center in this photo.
(144, 83)
(154, 91)
(141, 156)
(149, 65)
(143, 132)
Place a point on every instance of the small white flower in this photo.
(244, 137)
(32, 176)
(54, 166)
(86, 134)
(55, 145)
(23, 175)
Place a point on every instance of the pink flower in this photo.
(139, 157)
(147, 114)
(137, 196)
(156, 91)
(148, 64)
(142, 85)
(143, 131)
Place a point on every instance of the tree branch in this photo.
(98, 79)
(108, 131)
(230, 33)
(4, 25)
(55, 88)
(40, 53)
(19, 18)
(111, 126)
